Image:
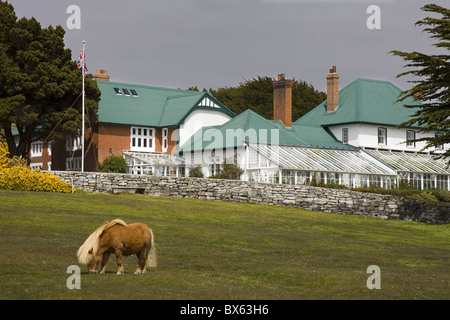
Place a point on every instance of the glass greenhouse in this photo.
(352, 168)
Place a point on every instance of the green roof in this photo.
(152, 106)
(249, 127)
(363, 101)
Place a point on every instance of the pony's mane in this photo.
(84, 255)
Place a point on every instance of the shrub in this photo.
(441, 195)
(425, 195)
(196, 172)
(15, 175)
(229, 171)
(113, 164)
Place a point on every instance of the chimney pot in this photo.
(101, 75)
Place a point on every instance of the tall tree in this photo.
(40, 85)
(433, 84)
(257, 95)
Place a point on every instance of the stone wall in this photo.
(309, 198)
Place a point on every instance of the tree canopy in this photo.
(257, 95)
(40, 85)
(432, 84)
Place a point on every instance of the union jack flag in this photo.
(81, 62)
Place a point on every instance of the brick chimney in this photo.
(101, 75)
(282, 100)
(332, 90)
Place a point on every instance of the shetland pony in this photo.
(121, 239)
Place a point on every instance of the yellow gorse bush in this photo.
(15, 175)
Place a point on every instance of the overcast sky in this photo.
(219, 43)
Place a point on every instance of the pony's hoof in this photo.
(93, 272)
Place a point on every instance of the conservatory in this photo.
(303, 165)
(354, 168)
(153, 163)
(422, 170)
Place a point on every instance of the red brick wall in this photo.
(112, 140)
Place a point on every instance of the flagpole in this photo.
(82, 125)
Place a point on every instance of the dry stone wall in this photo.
(306, 197)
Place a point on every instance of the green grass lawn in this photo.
(218, 250)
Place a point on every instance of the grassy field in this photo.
(218, 250)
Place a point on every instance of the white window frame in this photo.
(142, 139)
(73, 164)
(165, 139)
(410, 140)
(382, 136)
(73, 142)
(36, 149)
(439, 146)
(37, 165)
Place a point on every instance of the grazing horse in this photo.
(121, 239)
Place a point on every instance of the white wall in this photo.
(198, 119)
(207, 158)
(366, 136)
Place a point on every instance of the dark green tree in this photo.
(40, 84)
(257, 95)
(432, 85)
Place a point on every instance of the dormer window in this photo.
(117, 90)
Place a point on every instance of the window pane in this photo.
(410, 136)
(382, 136)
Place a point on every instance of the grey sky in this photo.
(219, 43)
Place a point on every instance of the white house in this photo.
(350, 139)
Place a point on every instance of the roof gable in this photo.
(364, 101)
(250, 127)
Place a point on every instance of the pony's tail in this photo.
(151, 261)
